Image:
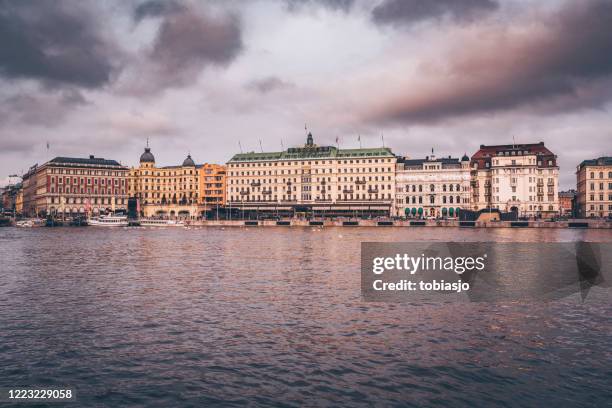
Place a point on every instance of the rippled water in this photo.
(274, 316)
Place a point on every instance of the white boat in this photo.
(150, 222)
(30, 222)
(109, 221)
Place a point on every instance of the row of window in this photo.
(308, 171)
(290, 197)
(316, 162)
(89, 172)
(601, 197)
(601, 175)
(94, 200)
(88, 190)
(601, 186)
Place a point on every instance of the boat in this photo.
(30, 223)
(151, 222)
(109, 221)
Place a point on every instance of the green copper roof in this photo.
(314, 152)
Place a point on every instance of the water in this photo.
(273, 316)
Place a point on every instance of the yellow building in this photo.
(322, 180)
(594, 182)
(185, 191)
(212, 184)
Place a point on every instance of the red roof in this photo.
(485, 153)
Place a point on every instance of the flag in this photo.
(359, 138)
(336, 139)
(47, 145)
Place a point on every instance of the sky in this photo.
(207, 78)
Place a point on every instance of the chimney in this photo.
(91, 156)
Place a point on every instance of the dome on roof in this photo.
(188, 162)
(147, 156)
(465, 157)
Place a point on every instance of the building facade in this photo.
(319, 180)
(432, 187)
(186, 191)
(212, 185)
(594, 181)
(566, 203)
(12, 198)
(67, 186)
(523, 178)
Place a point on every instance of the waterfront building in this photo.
(12, 198)
(567, 202)
(594, 181)
(187, 190)
(432, 187)
(312, 179)
(212, 185)
(523, 178)
(71, 186)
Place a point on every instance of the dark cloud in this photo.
(188, 39)
(340, 5)
(156, 8)
(268, 84)
(58, 42)
(562, 63)
(39, 109)
(406, 12)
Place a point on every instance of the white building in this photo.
(523, 178)
(432, 187)
(319, 180)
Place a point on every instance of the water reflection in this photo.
(274, 315)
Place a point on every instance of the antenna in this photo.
(359, 139)
(147, 142)
(382, 136)
(240, 145)
(260, 146)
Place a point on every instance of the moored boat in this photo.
(151, 222)
(108, 221)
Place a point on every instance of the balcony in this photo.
(243, 193)
(372, 191)
(255, 184)
(360, 181)
(266, 192)
(347, 191)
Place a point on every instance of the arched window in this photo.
(451, 199)
(432, 187)
(458, 200)
(444, 187)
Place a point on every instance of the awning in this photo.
(420, 210)
(451, 211)
(457, 210)
(414, 211)
(444, 211)
(407, 211)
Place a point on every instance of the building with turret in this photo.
(313, 180)
(187, 190)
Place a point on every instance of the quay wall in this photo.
(593, 224)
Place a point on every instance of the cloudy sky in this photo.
(93, 77)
